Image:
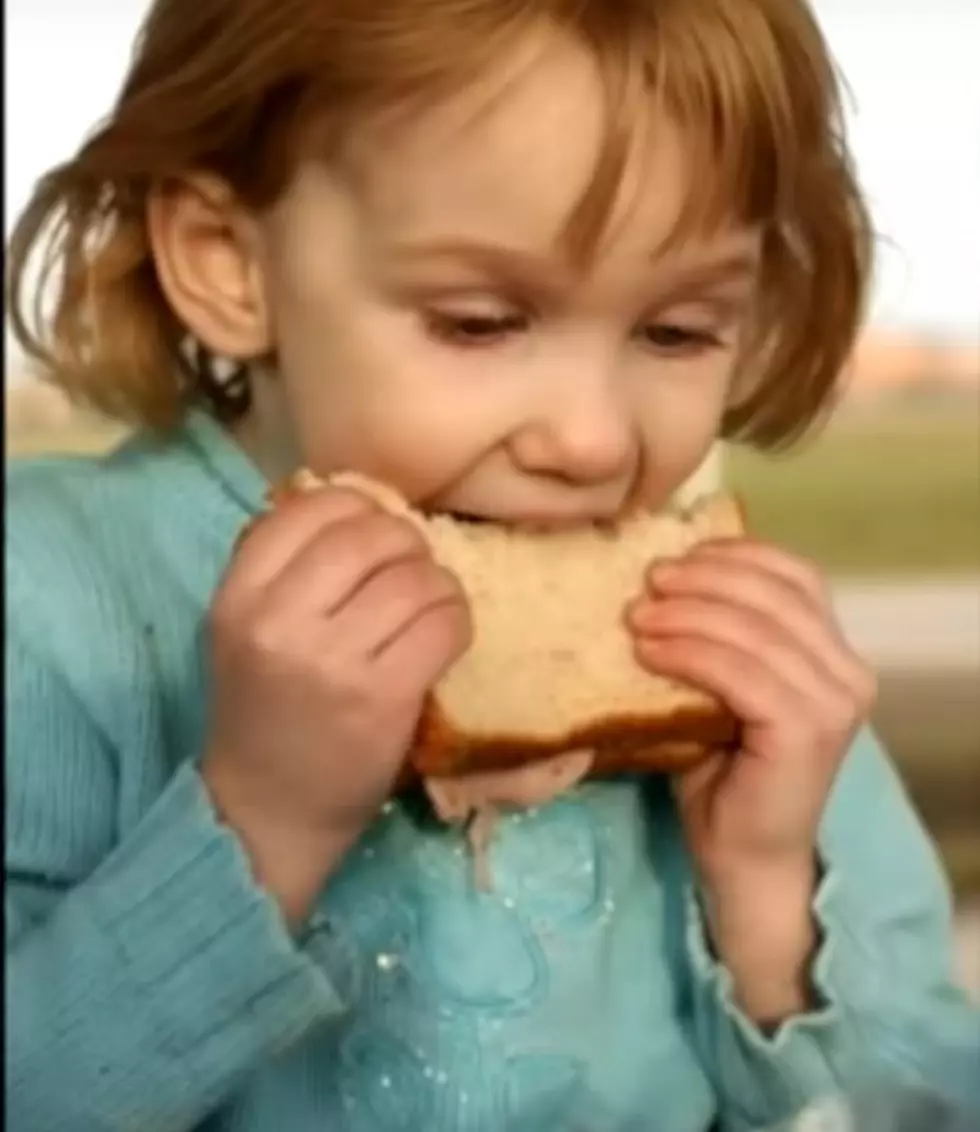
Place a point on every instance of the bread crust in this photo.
(623, 745)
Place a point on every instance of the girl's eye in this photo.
(673, 339)
(474, 329)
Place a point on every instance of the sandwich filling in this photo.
(475, 800)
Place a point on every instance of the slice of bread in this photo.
(551, 668)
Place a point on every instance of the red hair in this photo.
(241, 88)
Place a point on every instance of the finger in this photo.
(695, 781)
(811, 667)
(328, 573)
(724, 578)
(803, 576)
(388, 602)
(277, 537)
(427, 647)
(750, 689)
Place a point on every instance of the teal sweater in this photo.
(153, 987)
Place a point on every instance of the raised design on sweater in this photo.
(436, 1011)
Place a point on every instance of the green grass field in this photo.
(883, 493)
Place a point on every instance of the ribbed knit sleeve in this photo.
(888, 1008)
(139, 995)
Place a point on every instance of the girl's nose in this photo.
(585, 435)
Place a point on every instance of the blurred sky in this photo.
(912, 67)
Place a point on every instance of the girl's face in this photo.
(432, 332)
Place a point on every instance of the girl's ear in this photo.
(205, 249)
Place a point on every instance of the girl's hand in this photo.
(754, 626)
(330, 626)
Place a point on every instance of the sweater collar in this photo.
(227, 461)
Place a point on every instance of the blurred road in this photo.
(913, 624)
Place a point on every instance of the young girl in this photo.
(521, 259)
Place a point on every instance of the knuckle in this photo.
(836, 722)
(323, 507)
(809, 575)
(405, 533)
(835, 732)
(348, 502)
(866, 687)
(436, 582)
(438, 588)
(265, 636)
(401, 692)
(415, 584)
(348, 679)
(448, 581)
(454, 624)
(393, 537)
(226, 622)
(461, 623)
(808, 568)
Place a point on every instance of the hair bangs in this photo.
(247, 89)
(727, 90)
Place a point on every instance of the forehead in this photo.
(509, 160)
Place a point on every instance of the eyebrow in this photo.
(497, 258)
(507, 260)
(720, 269)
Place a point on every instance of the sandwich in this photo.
(549, 692)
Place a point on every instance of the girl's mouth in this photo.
(537, 524)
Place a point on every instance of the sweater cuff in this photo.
(189, 924)
(767, 1076)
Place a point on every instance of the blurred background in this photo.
(887, 498)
